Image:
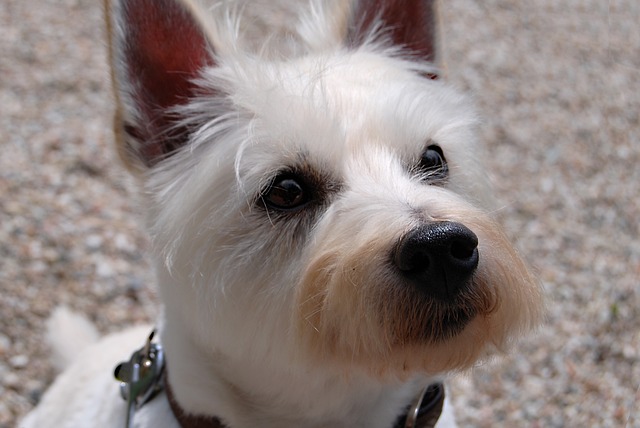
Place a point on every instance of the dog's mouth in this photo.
(448, 323)
(428, 320)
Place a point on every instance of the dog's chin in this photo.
(431, 320)
(410, 335)
(448, 324)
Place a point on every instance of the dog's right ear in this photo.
(157, 49)
(411, 25)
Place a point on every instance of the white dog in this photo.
(321, 226)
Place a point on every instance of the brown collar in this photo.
(428, 410)
(186, 420)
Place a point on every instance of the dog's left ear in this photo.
(157, 49)
(411, 25)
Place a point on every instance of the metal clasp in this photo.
(141, 378)
(427, 407)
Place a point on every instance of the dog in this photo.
(321, 224)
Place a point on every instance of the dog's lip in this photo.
(448, 322)
(455, 320)
(433, 320)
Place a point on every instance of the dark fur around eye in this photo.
(298, 188)
(432, 166)
(288, 191)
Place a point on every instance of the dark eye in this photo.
(433, 164)
(285, 193)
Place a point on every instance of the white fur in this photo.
(237, 280)
(67, 333)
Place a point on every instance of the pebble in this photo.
(5, 344)
(19, 361)
(11, 380)
(104, 269)
(93, 242)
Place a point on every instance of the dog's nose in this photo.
(438, 258)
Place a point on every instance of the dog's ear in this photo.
(157, 49)
(409, 24)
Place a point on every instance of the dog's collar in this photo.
(423, 413)
(186, 420)
(144, 375)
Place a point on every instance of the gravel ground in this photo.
(559, 86)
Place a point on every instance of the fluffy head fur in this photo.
(300, 315)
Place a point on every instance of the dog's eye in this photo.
(286, 192)
(433, 164)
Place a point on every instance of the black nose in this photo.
(438, 258)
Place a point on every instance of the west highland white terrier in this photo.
(321, 226)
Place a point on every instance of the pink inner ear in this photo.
(165, 49)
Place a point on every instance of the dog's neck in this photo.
(248, 393)
(423, 413)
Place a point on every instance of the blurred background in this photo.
(558, 86)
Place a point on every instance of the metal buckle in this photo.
(141, 378)
(434, 395)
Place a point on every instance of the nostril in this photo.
(419, 260)
(463, 259)
(463, 249)
(438, 257)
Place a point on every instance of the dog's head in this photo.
(314, 191)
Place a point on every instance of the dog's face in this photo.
(326, 208)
